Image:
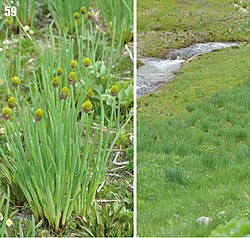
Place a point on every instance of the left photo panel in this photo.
(66, 118)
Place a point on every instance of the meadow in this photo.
(66, 125)
(194, 133)
(165, 25)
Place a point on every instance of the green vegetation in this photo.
(196, 81)
(196, 161)
(193, 147)
(168, 24)
(66, 84)
(234, 228)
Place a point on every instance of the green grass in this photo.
(167, 24)
(193, 147)
(197, 80)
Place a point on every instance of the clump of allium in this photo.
(11, 102)
(87, 62)
(15, 81)
(72, 77)
(90, 93)
(64, 93)
(7, 113)
(114, 90)
(59, 71)
(55, 82)
(83, 10)
(73, 63)
(87, 106)
(76, 15)
(39, 114)
(90, 15)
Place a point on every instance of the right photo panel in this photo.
(193, 118)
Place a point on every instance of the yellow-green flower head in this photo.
(64, 93)
(76, 15)
(73, 63)
(90, 93)
(8, 22)
(39, 114)
(114, 90)
(59, 71)
(87, 106)
(72, 77)
(15, 81)
(90, 15)
(56, 82)
(7, 113)
(11, 102)
(83, 10)
(87, 62)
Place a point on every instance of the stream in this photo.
(156, 72)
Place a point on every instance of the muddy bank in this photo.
(155, 72)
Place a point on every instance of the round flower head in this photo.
(55, 82)
(87, 106)
(64, 93)
(87, 62)
(7, 113)
(73, 63)
(90, 93)
(39, 114)
(8, 22)
(59, 71)
(76, 15)
(90, 15)
(114, 90)
(15, 81)
(72, 77)
(11, 102)
(83, 10)
(9, 222)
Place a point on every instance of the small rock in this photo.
(204, 220)
(222, 213)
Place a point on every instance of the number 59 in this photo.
(10, 11)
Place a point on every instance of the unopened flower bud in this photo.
(7, 113)
(87, 106)
(114, 90)
(72, 77)
(87, 62)
(39, 114)
(64, 93)
(11, 102)
(15, 81)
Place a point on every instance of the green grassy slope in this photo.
(194, 147)
(167, 24)
(196, 81)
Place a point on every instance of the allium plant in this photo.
(64, 12)
(55, 154)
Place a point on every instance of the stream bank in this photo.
(156, 72)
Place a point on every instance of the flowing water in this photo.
(156, 72)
